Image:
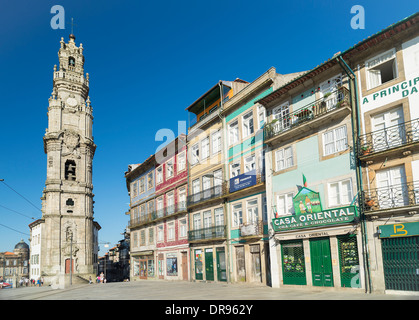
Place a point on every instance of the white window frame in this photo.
(160, 233)
(284, 156)
(337, 145)
(183, 228)
(196, 221)
(159, 175)
(171, 231)
(205, 148)
(195, 153)
(170, 168)
(234, 172)
(237, 215)
(252, 211)
(261, 116)
(181, 161)
(150, 178)
(216, 142)
(376, 61)
(249, 163)
(288, 204)
(340, 193)
(248, 127)
(233, 132)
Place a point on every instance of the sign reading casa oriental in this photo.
(309, 213)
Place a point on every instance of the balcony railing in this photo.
(207, 233)
(289, 120)
(251, 229)
(406, 194)
(389, 138)
(158, 213)
(207, 194)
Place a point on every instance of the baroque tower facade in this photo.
(69, 238)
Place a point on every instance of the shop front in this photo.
(143, 266)
(209, 263)
(316, 247)
(400, 255)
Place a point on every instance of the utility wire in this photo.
(14, 229)
(20, 195)
(22, 214)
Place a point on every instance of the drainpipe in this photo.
(225, 167)
(355, 138)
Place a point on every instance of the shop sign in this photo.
(307, 201)
(399, 230)
(242, 181)
(309, 220)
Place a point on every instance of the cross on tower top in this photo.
(72, 26)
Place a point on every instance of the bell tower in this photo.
(69, 238)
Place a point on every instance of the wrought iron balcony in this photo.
(158, 214)
(207, 194)
(252, 229)
(389, 138)
(402, 195)
(289, 120)
(213, 232)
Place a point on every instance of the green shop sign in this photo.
(309, 213)
(399, 230)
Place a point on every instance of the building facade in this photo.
(141, 186)
(386, 68)
(14, 266)
(311, 181)
(206, 203)
(172, 247)
(68, 228)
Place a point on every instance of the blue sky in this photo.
(147, 62)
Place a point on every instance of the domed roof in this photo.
(22, 245)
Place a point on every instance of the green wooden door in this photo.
(221, 265)
(321, 263)
(209, 265)
(293, 262)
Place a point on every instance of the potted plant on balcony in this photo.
(365, 150)
(270, 128)
(369, 203)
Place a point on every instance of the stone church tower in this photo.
(69, 233)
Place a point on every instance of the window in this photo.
(216, 142)
(205, 148)
(237, 215)
(207, 219)
(335, 140)
(249, 163)
(160, 233)
(182, 199)
(233, 130)
(150, 181)
(71, 61)
(285, 205)
(340, 193)
(69, 202)
(182, 228)
(170, 231)
(169, 169)
(197, 221)
(159, 171)
(248, 124)
(142, 238)
(261, 116)
(181, 161)
(381, 69)
(142, 212)
(151, 235)
(252, 211)
(160, 207)
(70, 170)
(150, 205)
(235, 169)
(219, 216)
(195, 153)
(218, 181)
(142, 185)
(284, 158)
(170, 203)
(281, 113)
